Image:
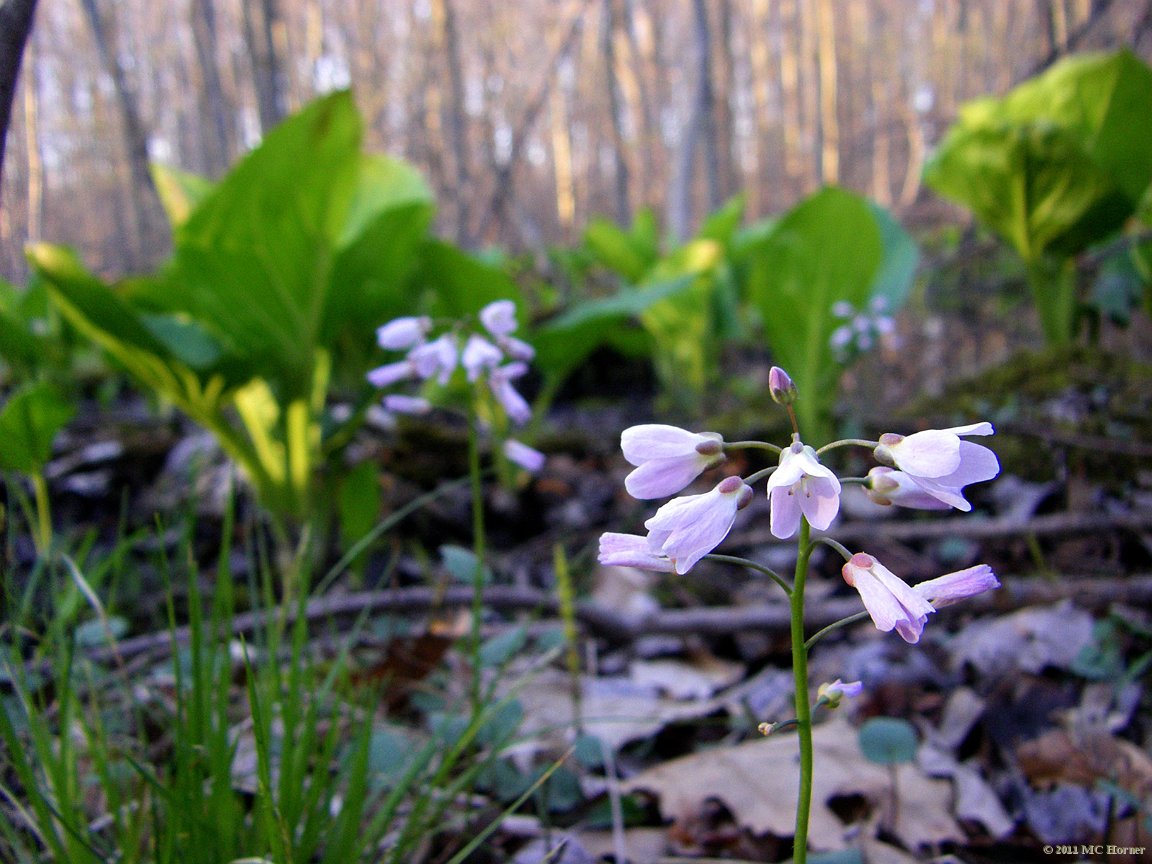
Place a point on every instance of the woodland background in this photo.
(527, 118)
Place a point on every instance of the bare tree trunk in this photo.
(616, 112)
(706, 101)
(147, 224)
(261, 27)
(699, 130)
(15, 24)
(728, 167)
(32, 154)
(219, 142)
(448, 47)
(502, 181)
(562, 167)
(829, 124)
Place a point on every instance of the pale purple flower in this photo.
(515, 348)
(953, 587)
(391, 373)
(892, 602)
(400, 404)
(835, 691)
(667, 458)
(940, 463)
(400, 334)
(500, 383)
(436, 358)
(499, 317)
(686, 529)
(526, 457)
(631, 550)
(801, 485)
(479, 354)
(889, 486)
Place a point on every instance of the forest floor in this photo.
(1030, 705)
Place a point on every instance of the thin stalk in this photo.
(752, 445)
(803, 707)
(752, 565)
(835, 625)
(43, 513)
(478, 550)
(849, 442)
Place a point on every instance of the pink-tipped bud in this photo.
(710, 447)
(781, 387)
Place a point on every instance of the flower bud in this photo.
(781, 387)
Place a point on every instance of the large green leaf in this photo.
(899, 259)
(563, 344)
(825, 250)
(253, 262)
(1061, 161)
(29, 423)
(456, 284)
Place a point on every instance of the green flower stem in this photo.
(751, 445)
(837, 545)
(752, 565)
(800, 681)
(478, 550)
(849, 442)
(753, 479)
(835, 625)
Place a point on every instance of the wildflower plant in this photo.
(482, 359)
(925, 470)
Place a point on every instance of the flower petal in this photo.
(784, 518)
(659, 478)
(649, 441)
(932, 453)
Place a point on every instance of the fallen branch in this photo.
(598, 620)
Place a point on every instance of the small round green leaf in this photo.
(888, 740)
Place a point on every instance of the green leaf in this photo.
(888, 740)
(503, 647)
(180, 192)
(1061, 161)
(901, 256)
(723, 224)
(629, 254)
(29, 423)
(793, 281)
(461, 564)
(564, 343)
(458, 284)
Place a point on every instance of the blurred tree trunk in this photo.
(699, 130)
(636, 93)
(616, 114)
(263, 31)
(32, 152)
(730, 181)
(453, 111)
(504, 171)
(147, 225)
(762, 83)
(829, 124)
(15, 24)
(219, 142)
(562, 167)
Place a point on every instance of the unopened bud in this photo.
(714, 446)
(781, 387)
